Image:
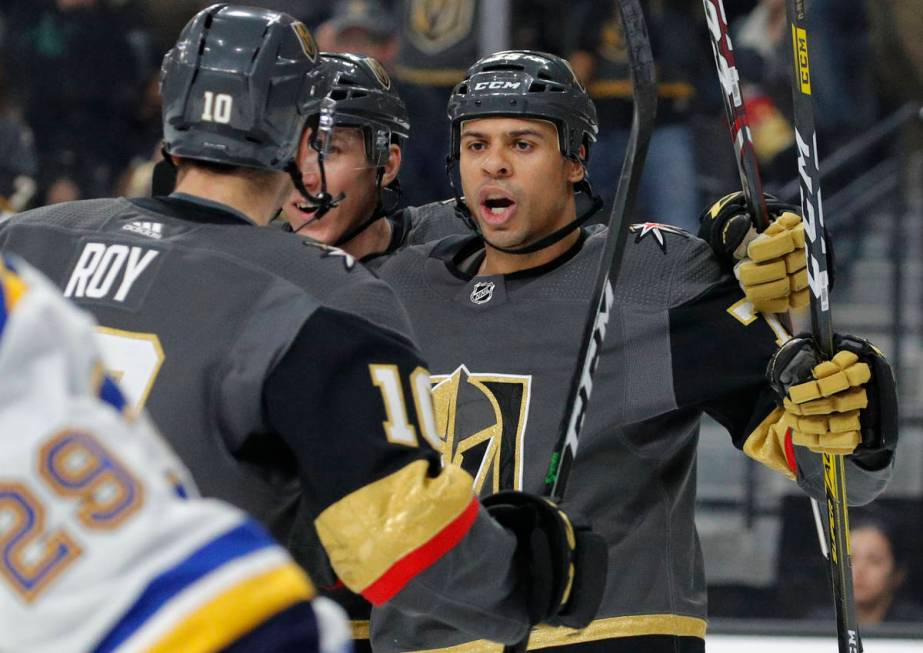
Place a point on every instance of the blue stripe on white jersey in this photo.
(232, 545)
(110, 393)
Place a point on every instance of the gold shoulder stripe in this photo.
(370, 530)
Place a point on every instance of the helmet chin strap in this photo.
(319, 143)
(377, 213)
(582, 186)
(323, 200)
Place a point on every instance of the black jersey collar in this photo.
(463, 257)
(189, 207)
(400, 227)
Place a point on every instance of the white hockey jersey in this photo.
(100, 550)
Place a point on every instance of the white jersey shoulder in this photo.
(101, 551)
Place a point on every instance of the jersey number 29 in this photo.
(72, 465)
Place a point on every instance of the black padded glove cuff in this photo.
(726, 223)
(564, 565)
(793, 363)
(879, 421)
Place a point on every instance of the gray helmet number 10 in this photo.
(238, 87)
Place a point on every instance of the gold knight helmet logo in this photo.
(481, 420)
(306, 40)
(436, 25)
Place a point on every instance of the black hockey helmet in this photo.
(529, 84)
(526, 84)
(238, 87)
(366, 98)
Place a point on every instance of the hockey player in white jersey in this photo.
(106, 544)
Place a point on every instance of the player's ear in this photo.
(576, 170)
(393, 166)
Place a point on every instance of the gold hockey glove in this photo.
(847, 405)
(774, 276)
(771, 267)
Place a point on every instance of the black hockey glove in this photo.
(847, 405)
(564, 564)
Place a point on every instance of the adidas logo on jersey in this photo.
(149, 229)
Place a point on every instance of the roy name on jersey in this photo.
(107, 272)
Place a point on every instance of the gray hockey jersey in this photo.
(681, 341)
(282, 374)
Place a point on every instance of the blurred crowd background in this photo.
(80, 118)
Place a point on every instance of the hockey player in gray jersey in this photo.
(498, 314)
(281, 372)
(370, 128)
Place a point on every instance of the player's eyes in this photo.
(523, 146)
(475, 146)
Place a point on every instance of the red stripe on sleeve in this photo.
(420, 559)
(790, 451)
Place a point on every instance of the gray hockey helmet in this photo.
(366, 98)
(238, 87)
(526, 84)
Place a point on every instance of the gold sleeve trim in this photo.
(611, 628)
(366, 532)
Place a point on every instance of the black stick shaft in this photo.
(821, 320)
(742, 141)
(644, 91)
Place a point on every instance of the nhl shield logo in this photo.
(483, 292)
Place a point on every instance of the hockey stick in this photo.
(821, 322)
(742, 142)
(644, 94)
(747, 165)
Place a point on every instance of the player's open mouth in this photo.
(304, 207)
(496, 207)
